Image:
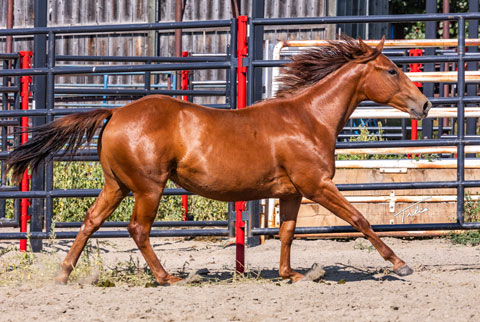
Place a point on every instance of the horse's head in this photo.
(385, 83)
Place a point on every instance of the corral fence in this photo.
(458, 140)
(46, 94)
(251, 61)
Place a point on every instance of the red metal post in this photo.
(26, 58)
(415, 68)
(184, 84)
(242, 52)
(185, 78)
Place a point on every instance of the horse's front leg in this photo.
(326, 194)
(288, 220)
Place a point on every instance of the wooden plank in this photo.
(311, 215)
(115, 13)
(140, 12)
(91, 11)
(19, 19)
(3, 13)
(410, 150)
(392, 43)
(352, 176)
(102, 10)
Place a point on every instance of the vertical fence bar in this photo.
(25, 81)
(232, 99)
(16, 139)
(473, 6)
(232, 72)
(461, 121)
(428, 88)
(184, 82)
(242, 52)
(50, 106)
(147, 79)
(5, 106)
(255, 48)
(39, 94)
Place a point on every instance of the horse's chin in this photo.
(416, 115)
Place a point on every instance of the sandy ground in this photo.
(444, 287)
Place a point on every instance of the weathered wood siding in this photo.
(92, 12)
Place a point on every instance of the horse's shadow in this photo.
(339, 273)
(347, 273)
(64, 245)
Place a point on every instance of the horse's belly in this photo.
(235, 186)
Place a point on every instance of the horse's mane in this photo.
(311, 66)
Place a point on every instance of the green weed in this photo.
(469, 238)
(366, 136)
(89, 175)
(471, 214)
(359, 244)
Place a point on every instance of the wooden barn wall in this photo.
(216, 41)
(85, 12)
(91, 12)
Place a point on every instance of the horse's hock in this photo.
(389, 207)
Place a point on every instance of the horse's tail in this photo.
(50, 138)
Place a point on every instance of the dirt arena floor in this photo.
(357, 285)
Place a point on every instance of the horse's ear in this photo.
(380, 44)
(365, 48)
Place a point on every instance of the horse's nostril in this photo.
(426, 106)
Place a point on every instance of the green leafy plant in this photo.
(366, 136)
(471, 214)
(471, 238)
(89, 175)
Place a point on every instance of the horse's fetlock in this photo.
(287, 240)
(285, 272)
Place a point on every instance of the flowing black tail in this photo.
(50, 138)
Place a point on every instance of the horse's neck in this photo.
(334, 98)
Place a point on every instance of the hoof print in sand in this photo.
(315, 274)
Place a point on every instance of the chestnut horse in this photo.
(280, 148)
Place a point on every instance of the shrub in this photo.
(89, 175)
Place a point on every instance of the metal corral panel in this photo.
(384, 207)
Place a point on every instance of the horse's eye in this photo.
(392, 72)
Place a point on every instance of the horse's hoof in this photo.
(60, 281)
(171, 280)
(315, 274)
(403, 271)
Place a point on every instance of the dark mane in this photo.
(311, 66)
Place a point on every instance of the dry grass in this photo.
(37, 269)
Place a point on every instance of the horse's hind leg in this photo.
(288, 219)
(110, 197)
(144, 213)
(327, 194)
